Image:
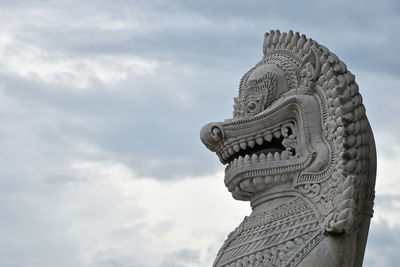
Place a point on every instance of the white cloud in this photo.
(387, 203)
(102, 213)
(77, 71)
(68, 196)
(387, 181)
(190, 213)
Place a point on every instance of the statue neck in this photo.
(271, 198)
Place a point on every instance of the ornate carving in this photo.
(279, 237)
(299, 126)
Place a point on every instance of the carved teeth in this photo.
(285, 155)
(227, 151)
(243, 145)
(251, 143)
(268, 137)
(226, 155)
(284, 131)
(236, 147)
(247, 159)
(254, 158)
(260, 140)
(240, 161)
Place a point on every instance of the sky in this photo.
(101, 104)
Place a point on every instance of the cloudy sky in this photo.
(101, 103)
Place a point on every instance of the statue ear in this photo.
(310, 67)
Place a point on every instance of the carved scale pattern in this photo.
(278, 237)
(345, 127)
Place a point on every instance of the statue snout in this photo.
(211, 135)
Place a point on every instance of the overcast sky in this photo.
(101, 103)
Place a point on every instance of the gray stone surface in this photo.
(300, 149)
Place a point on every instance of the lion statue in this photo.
(300, 148)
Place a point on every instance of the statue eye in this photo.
(252, 106)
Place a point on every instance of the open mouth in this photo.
(276, 144)
(268, 154)
(271, 149)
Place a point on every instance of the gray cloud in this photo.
(384, 235)
(151, 121)
(383, 245)
(180, 258)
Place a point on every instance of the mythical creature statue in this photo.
(301, 150)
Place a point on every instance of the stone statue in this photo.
(301, 150)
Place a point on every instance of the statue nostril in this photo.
(216, 133)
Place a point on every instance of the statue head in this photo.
(299, 128)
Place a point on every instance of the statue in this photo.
(301, 150)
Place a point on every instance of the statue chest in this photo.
(281, 236)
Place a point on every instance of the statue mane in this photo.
(313, 68)
(300, 148)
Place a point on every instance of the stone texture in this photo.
(300, 149)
